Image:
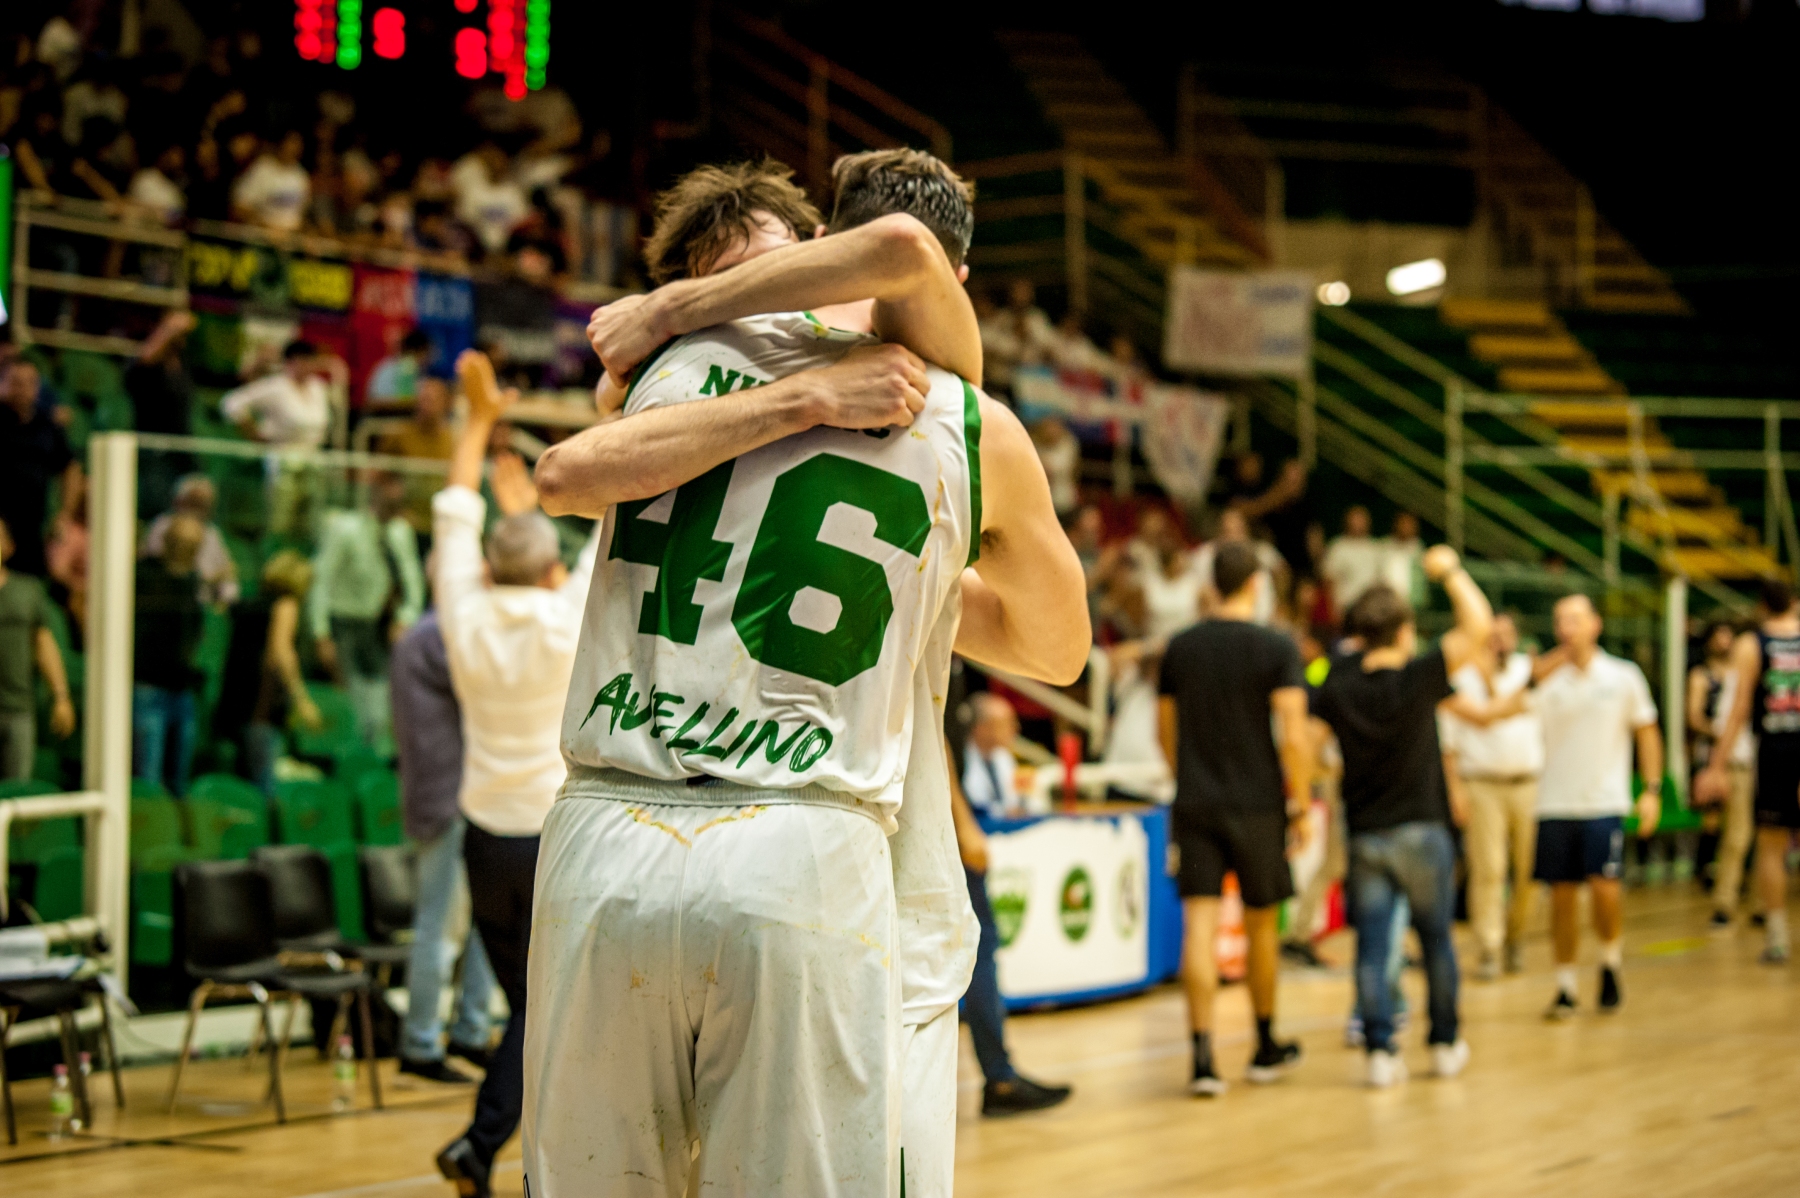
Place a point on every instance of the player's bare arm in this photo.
(1711, 783)
(919, 301)
(1298, 755)
(647, 453)
(1650, 767)
(1025, 601)
(1474, 616)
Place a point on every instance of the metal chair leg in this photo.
(256, 1044)
(12, 1128)
(279, 1049)
(268, 1025)
(112, 1051)
(71, 1050)
(195, 1006)
(368, 1032)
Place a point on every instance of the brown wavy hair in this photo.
(712, 207)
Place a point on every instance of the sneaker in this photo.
(1017, 1095)
(481, 1058)
(1353, 1032)
(1563, 1008)
(1385, 1069)
(1610, 997)
(1301, 952)
(1759, 920)
(1487, 968)
(1515, 957)
(1270, 1061)
(465, 1170)
(1774, 954)
(1721, 920)
(1207, 1084)
(435, 1071)
(1448, 1060)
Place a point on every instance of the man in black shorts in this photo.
(1768, 701)
(1383, 706)
(1221, 679)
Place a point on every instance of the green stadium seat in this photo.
(149, 788)
(61, 884)
(338, 738)
(153, 902)
(321, 813)
(222, 832)
(378, 808)
(229, 790)
(156, 827)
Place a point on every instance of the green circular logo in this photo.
(1007, 891)
(1127, 909)
(1077, 903)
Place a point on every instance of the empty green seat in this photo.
(337, 738)
(156, 826)
(59, 883)
(378, 808)
(149, 788)
(314, 812)
(221, 832)
(232, 791)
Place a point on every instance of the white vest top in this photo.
(764, 622)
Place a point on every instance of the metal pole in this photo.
(1453, 464)
(1674, 705)
(1772, 479)
(1305, 419)
(1075, 230)
(112, 572)
(1609, 533)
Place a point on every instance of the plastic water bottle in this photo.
(62, 1104)
(86, 1064)
(343, 1076)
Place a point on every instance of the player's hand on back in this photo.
(873, 386)
(624, 332)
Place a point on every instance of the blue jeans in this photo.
(1416, 862)
(157, 716)
(982, 1009)
(1396, 962)
(441, 880)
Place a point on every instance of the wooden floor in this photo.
(1694, 1088)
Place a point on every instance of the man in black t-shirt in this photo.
(1221, 680)
(1383, 706)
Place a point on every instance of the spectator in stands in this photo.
(275, 191)
(66, 556)
(1712, 689)
(1234, 529)
(426, 434)
(1282, 509)
(195, 496)
(263, 686)
(989, 766)
(428, 735)
(159, 189)
(93, 94)
(165, 682)
(436, 230)
(487, 199)
(1382, 704)
(34, 451)
(26, 641)
(61, 47)
(367, 590)
(291, 408)
(1060, 454)
(1353, 562)
(162, 398)
(395, 379)
(1070, 348)
(1004, 1090)
(1165, 574)
(511, 647)
(1401, 570)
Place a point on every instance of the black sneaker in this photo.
(1610, 997)
(1017, 1095)
(463, 1169)
(1759, 920)
(435, 1071)
(481, 1058)
(1301, 952)
(1207, 1083)
(1563, 1008)
(1270, 1061)
(1720, 920)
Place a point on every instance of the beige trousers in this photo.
(1502, 823)
(1734, 839)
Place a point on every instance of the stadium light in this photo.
(1334, 294)
(389, 28)
(471, 53)
(1414, 277)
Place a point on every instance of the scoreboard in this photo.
(509, 38)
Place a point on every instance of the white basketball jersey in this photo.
(763, 622)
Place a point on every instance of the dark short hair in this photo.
(878, 183)
(1777, 595)
(416, 340)
(712, 207)
(1235, 564)
(1378, 616)
(299, 349)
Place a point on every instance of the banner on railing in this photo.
(1183, 427)
(1239, 323)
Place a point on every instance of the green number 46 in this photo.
(842, 623)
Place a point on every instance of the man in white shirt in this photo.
(1594, 708)
(291, 408)
(1354, 562)
(275, 191)
(511, 625)
(487, 200)
(1500, 761)
(988, 775)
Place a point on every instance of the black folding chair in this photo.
(61, 997)
(390, 894)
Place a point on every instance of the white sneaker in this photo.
(1385, 1069)
(1448, 1060)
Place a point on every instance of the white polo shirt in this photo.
(1509, 748)
(1590, 720)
